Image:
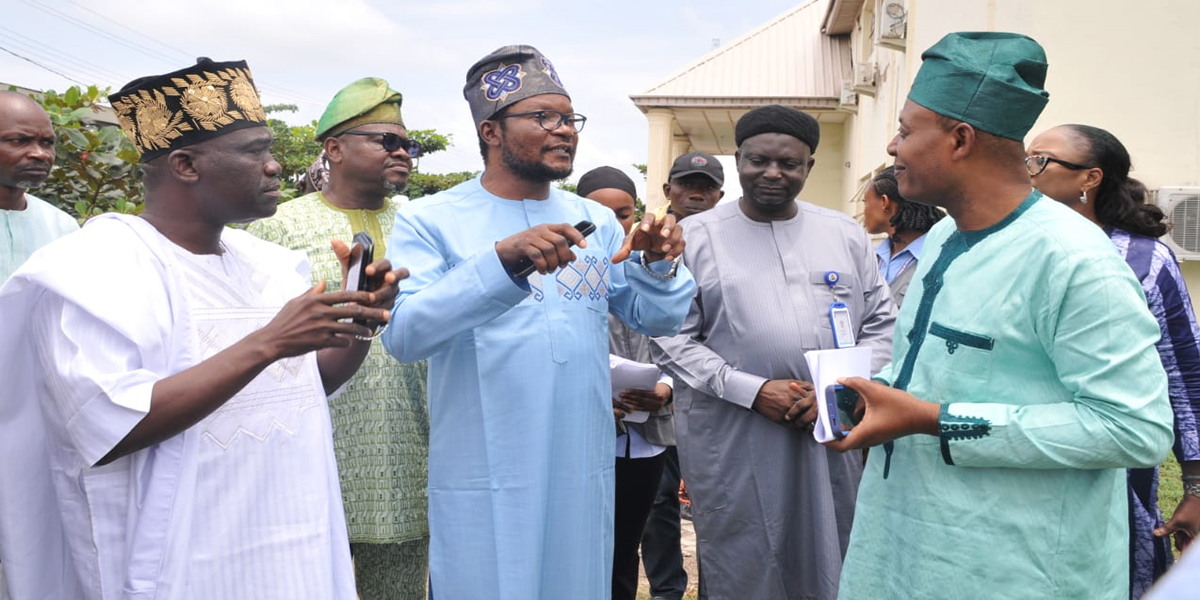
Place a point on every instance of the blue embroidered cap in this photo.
(506, 76)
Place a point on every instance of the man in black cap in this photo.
(166, 377)
(510, 303)
(1024, 378)
(694, 184)
(771, 506)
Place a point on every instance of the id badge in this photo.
(843, 327)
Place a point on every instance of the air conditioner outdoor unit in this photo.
(1182, 207)
(864, 78)
(893, 23)
(848, 101)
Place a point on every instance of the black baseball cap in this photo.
(698, 162)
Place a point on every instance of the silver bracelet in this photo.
(1190, 478)
(669, 275)
(1191, 489)
(378, 332)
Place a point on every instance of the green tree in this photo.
(427, 184)
(294, 146)
(96, 169)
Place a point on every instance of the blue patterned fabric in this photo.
(1167, 296)
(521, 442)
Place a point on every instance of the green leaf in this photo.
(72, 95)
(77, 138)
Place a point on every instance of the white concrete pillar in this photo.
(658, 155)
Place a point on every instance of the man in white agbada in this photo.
(166, 377)
(26, 222)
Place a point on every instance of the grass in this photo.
(1170, 490)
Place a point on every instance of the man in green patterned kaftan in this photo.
(1024, 377)
(380, 420)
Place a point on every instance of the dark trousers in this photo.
(637, 485)
(662, 555)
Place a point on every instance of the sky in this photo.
(303, 51)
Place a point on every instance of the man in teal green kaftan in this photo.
(1024, 351)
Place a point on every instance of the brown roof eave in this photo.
(841, 15)
(647, 102)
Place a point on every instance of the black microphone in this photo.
(525, 266)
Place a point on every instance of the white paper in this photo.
(826, 367)
(628, 374)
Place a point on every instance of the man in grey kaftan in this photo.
(772, 507)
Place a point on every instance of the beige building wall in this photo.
(1133, 69)
(824, 186)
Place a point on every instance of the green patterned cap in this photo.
(368, 100)
(991, 80)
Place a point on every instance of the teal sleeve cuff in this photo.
(959, 428)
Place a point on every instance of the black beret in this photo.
(778, 119)
(605, 177)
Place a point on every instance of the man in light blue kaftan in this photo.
(26, 156)
(521, 431)
(1024, 353)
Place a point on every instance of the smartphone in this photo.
(356, 277)
(840, 402)
(525, 266)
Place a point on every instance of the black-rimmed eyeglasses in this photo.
(391, 142)
(551, 119)
(1036, 164)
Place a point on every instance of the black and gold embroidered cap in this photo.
(161, 113)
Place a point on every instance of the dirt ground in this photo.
(688, 543)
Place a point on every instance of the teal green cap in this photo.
(990, 80)
(368, 100)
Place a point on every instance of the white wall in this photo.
(1130, 68)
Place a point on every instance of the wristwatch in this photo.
(670, 274)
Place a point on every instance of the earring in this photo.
(1083, 196)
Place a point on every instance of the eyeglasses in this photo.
(391, 142)
(1036, 164)
(551, 119)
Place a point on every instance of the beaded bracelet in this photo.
(1191, 489)
(378, 332)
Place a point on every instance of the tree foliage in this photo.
(295, 148)
(96, 169)
(427, 184)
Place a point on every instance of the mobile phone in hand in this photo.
(840, 402)
(525, 266)
(356, 277)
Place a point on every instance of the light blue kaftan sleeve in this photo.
(437, 303)
(650, 305)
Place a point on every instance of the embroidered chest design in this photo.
(587, 278)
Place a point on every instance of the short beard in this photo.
(395, 188)
(535, 171)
